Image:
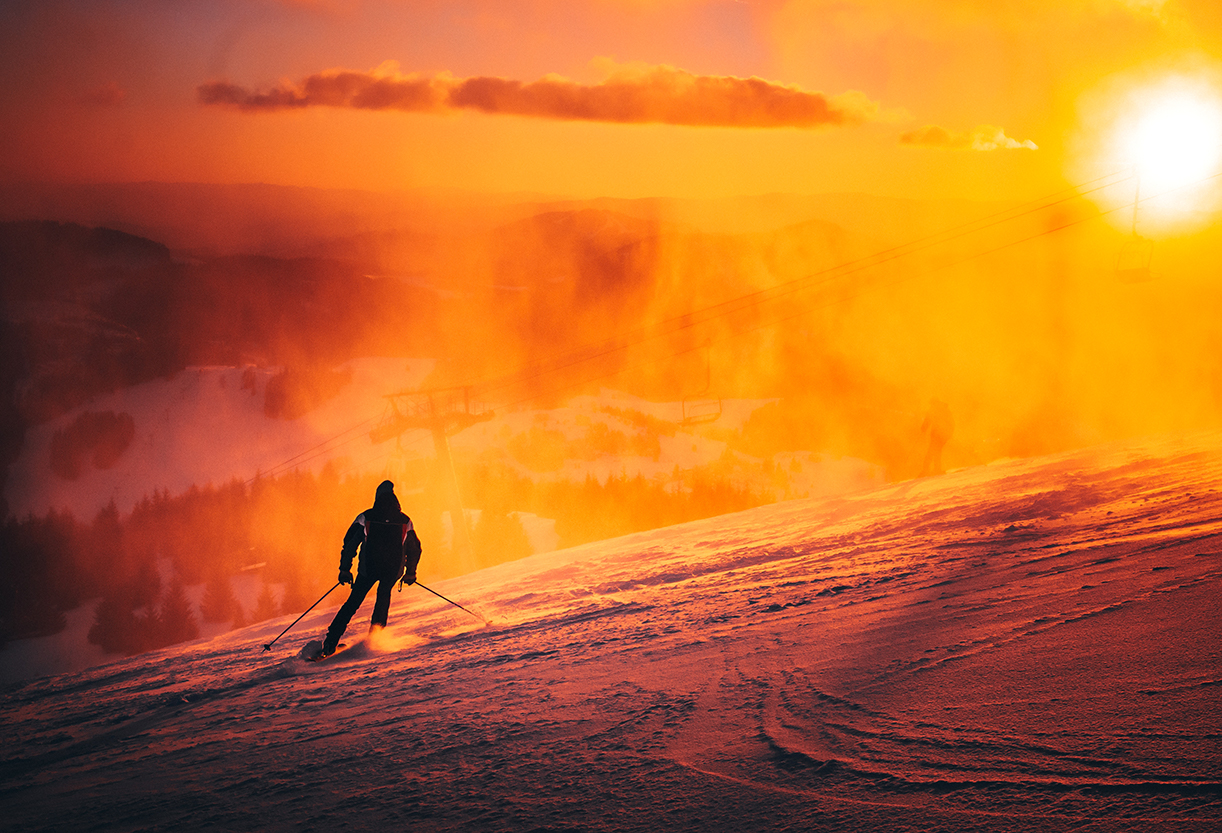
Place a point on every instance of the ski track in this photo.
(1030, 646)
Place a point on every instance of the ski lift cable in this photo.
(412, 435)
(681, 322)
(730, 306)
(297, 459)
(967, 258)
(320, 449)
(678, 323)
(352, 467)
(323, 452)
(687, 320)
(831, 301)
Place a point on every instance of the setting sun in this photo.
(1166, 135)
(1175, 138)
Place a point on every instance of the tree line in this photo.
(289, 529)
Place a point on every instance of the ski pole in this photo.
(456, 604)
(269, 645)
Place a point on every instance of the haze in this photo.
(566, 271)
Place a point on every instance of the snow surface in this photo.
(1032, 645)
(203, 427)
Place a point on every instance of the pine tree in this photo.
(239, 616)
(119, 626)
(295, 598)
(115, 627)
(219, 603)
(265, 606)
(175, 619)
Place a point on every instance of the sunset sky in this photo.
(587, 98)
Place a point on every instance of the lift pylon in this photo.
(443, 412)
(1133, 261)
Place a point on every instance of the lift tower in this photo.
(444, 412)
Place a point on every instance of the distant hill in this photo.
(290, 221)
(857, 310)
(84, 311)
(207, 219)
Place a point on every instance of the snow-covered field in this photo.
(1032, 645)
(204, 426)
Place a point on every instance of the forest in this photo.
(289, 529)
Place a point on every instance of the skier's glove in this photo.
(408, 578)
(345, 577)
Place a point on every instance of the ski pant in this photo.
(360, 588)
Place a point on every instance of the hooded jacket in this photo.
(384, 536)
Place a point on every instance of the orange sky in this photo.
(565, 97)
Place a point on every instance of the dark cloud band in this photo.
(657, 95)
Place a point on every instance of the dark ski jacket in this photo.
(386, 540)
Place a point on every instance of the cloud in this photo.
(382, 89)
(630, 95)
(984, 137)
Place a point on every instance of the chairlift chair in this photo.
(699, 407)
(698, 411)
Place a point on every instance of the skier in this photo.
(939, 425)
(389, 551)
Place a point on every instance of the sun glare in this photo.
(1174, 140)
(1168, 134)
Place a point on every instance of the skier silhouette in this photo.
(939, 425)
(389, 551)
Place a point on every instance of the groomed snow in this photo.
(1032, 645)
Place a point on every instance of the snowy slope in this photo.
(203, 427)
(206, 425)
(1032, 645)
